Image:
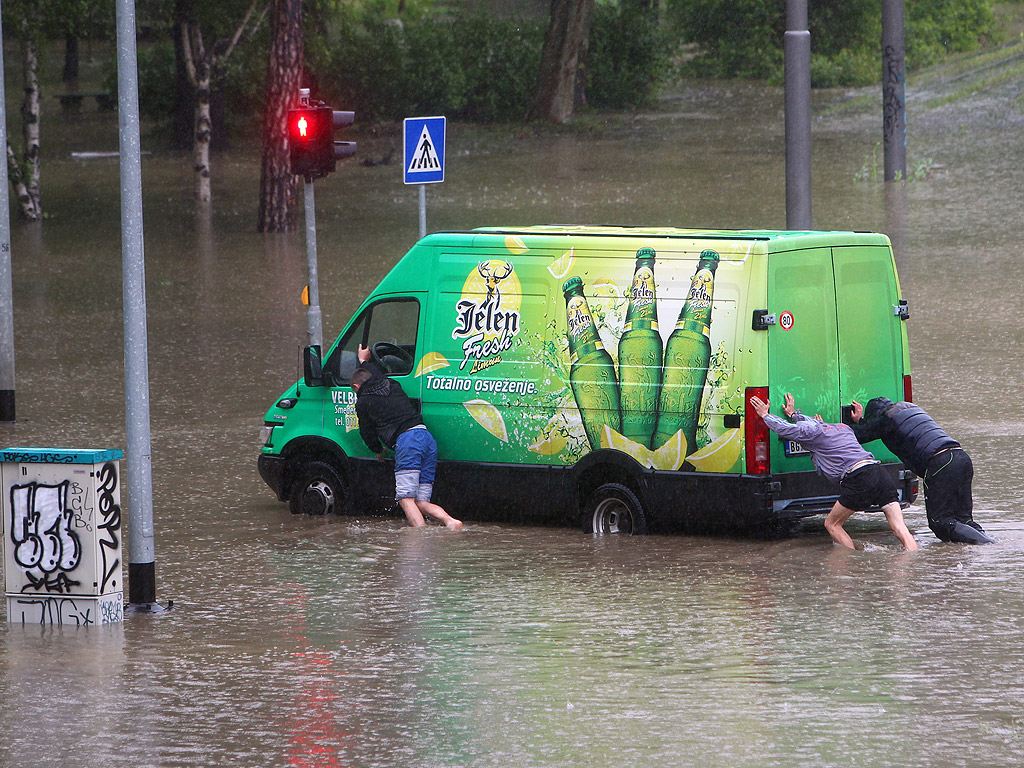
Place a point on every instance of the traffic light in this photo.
(312, 150)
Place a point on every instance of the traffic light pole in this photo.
(314, 327)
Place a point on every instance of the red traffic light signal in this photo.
(312, 150)
(310, 140)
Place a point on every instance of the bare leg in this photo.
(412, 512)
(894, 516)
(834, 524)
(437, 512)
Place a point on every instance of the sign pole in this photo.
(141, 559)
(423, 140)
(894, 96)
(423, 210)
(797, 47)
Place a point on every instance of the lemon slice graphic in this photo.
(605, 288)
(515, 245)
(720, 454)
(560, 267)
(613, 439)
(670, 456)
(488, 417)
(548, 445)
(431, 361)
(552, 438)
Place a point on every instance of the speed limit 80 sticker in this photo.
(786, 320)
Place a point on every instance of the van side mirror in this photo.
(312, 368)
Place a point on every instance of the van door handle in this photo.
(761, 320)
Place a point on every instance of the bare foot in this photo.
(453, 525)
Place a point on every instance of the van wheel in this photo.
(614, 508)
(317, 490)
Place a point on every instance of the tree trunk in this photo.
(70, 74)
(284, 73)
(201, 137)
(566, 38)
(182, 126)
(29, 194)
(25, 207)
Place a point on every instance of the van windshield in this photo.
(389, 329)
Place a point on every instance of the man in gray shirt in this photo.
(838, 456)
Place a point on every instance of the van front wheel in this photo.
(317, 490)
(614, 508)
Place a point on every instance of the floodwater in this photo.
(360, 642)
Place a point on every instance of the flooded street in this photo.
(359, 642)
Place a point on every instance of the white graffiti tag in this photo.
(41, 534)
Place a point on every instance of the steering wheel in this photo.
(391, 357)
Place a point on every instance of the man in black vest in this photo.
(944, 467)
(387, 415)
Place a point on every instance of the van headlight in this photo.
(267, 434)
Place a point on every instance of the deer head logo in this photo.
(493, 272)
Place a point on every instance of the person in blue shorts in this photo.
(387, 415)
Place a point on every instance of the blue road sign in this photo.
(423, 138)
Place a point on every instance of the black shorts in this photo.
(869, 486)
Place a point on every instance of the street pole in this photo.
(894, 96)
(6, 281)
(141, 564)
(314, 323)
(423, 211)
(797, 46)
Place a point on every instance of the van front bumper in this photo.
(272, 471)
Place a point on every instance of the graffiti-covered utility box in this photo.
(62, 535)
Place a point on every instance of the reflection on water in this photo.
(315, 642)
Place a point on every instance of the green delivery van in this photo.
(601, 376)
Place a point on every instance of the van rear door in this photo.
(869, 327)
(837, 336)
(803, 345)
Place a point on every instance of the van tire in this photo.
(317, 490)
(614, 509)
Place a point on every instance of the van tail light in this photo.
(908, 389)
(756, 434)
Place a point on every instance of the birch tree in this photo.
(24, 20)
(201, 62)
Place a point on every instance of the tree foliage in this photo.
(469, 67)
(744, 38)
(629, 55)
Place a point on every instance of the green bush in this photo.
(157, 80)
(744, 38)
(502, 59)
(475, 67)
(628, 57)
(468, 67)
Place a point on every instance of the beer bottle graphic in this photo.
(591, 370)
(640, 354)
(687, 354)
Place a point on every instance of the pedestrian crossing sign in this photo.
(423, 139)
